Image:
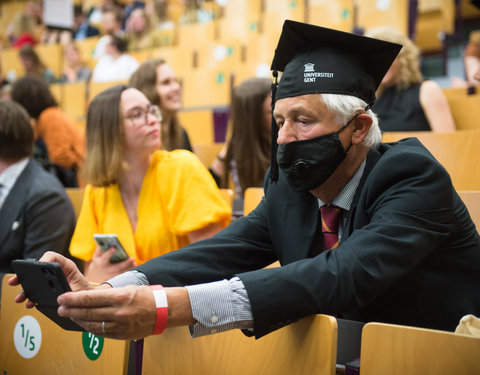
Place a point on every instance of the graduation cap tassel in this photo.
(273, 156)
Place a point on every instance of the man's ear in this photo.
(361, 126)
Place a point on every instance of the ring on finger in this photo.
(103, 327)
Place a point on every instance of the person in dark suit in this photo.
(409, 252)
(35, 213)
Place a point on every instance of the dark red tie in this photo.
(330, 218)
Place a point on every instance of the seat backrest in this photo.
(199, 126)
(465, 108)
(472, 201)
(305, 347)
(394, 349)
(30, 343)
(371, 13)
(207, 152)
(76, 197)
(227, 194)
(456, 151)
(252, 197)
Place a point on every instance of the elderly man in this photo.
(363, 230)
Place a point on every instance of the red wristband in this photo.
(161, 304)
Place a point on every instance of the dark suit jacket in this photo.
(36, 216)
(409, 254)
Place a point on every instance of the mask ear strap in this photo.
(273, 155)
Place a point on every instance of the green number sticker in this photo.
(92, 345)
(220, 78)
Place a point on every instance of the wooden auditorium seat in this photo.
(305, 347)
(199, 125)
(203, 87)
(207, 152)
(335, 14)
(227, 194)
(75, 101)
(52, 56)
(436, 19)
(52, 350)
(252, 197)
(394, 350)
(465, 107)
(216, 55)
(193, 35)
(94, 88)
(471, 198)
(456, 151)
(372, 13)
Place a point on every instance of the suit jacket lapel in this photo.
(372, 159)
(299, 223)
(13, 204)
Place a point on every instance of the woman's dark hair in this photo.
(33, 94)
(118, 43)
(38, 67)
(250, 141)
(16, 132)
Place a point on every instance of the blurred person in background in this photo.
(405, 101)
(22, 30)
(74, 69)
(33, 66)
(245, 158)
(111, 25)
(157, 80)
(116, 64)
(140, 33)
(59, 142)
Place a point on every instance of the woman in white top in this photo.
(116, 65)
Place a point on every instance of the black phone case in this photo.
(43, 282)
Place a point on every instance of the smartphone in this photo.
(106, 241)
(43, 282)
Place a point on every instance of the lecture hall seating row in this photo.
(31, 343)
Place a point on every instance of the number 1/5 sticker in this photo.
(27, 336)
(92, 345)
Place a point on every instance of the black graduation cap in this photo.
(316, 60)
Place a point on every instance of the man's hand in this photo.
(128, 312)
(74, 277)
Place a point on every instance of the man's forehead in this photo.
(295, 103)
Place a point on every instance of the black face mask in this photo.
(307, 164)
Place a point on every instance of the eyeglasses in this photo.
(139, 116)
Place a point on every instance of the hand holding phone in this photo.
(106, 241)
(42, 283)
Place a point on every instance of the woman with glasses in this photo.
(155, 201)
(157, 80)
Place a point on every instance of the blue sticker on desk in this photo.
(27, 336)
(92, 345)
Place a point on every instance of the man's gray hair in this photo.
(346, 107)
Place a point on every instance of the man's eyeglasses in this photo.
(139, 116)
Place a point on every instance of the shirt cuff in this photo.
(219, 306)
(128, 278)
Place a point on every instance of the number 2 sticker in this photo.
(92, 345)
